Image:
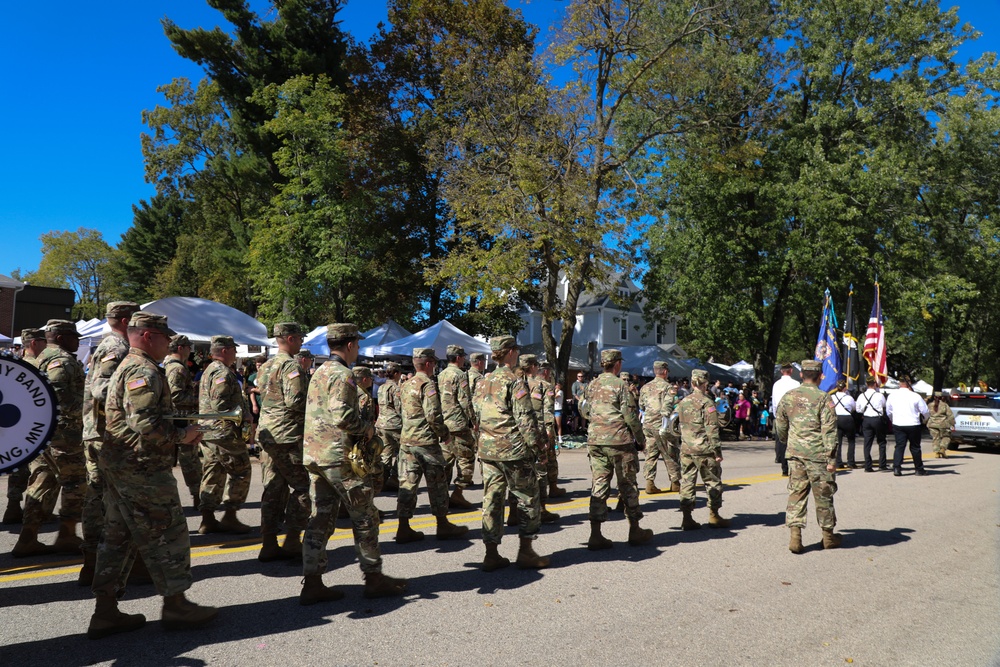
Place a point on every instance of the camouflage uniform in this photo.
(368, 408)
(333, 427)
(185, 398)
(509, 444)
(657, 400)
(423, 428)
(389, 426)
(143, 507)
(456, 407)
(223, 451)
(542, 402)
(283, 387)
(61, 465)
(806, 420)
(614, 430)
(939, 422)
(700, 447)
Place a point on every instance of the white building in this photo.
(599, 318)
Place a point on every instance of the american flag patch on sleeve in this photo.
(136, 384)
(521, 393)
(220, 379)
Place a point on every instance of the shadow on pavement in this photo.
(868, 537)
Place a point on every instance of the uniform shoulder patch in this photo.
(550, 393)
(138, 383)
(294, 374)
(710, 409)
(520, 393)
(108, 357)
(350, 381)
(220, 379)
(55, 364)
(465, 383)
(431, 391)
(536, 395)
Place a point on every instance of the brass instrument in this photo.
(235, 416)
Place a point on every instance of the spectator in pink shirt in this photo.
(742, 414)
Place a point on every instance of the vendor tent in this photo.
(638, 360)
(438, 336)
(577, 356)
(922, 387)
(200, 319)
(383, 334)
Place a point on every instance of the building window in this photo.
(659, 334)
(624, 324)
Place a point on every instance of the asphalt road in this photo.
(915, 584)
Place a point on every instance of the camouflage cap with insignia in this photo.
(625, 376)
(527, 361)
(28, 335)
(500, 344)
(424, 353)
(343, 331)
(455, 351)
(287, 329)
(121, 309)
(811, 365)
(699, 375)
(786, 366)
(660, 366)
(179, 341)
(938, 394)
(304, 354)
(477, 356)
(61, 327)
(362, 372)
(545, 365)
(610, 356)
(220, 342)
(392, 367)
(143, 320)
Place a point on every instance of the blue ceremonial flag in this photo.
(827, 349)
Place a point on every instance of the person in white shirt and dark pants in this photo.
(843, 406)
(907, 411)
(871, 406)
(781, 387)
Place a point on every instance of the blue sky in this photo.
(78, 75)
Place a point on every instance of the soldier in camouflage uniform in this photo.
(143, 507)
(103, 363)
(368, 407)
(225, 455)
(657, 400)
(282, 385)
(333, 431)
(17, 481)
(456, 406)
(552, 467)
(940, 421)
(184, 394)
(541, 405)
(477, 371)
(61, 465)
(390, 425)
(423, 429)
(701, 452)
(510, 443)
(611, 444)
(805, 418)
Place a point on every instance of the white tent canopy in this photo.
(922, 387)
(315, 340)
(200, 319)
(5, 339)
(438, 336)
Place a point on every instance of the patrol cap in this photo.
(545, 364)
(179, 341)
(392, 367)
(786, 366)
(287, 329)
(61, 327)
(304, 354)
(500, 344)
(28, 335)
(699, 375)
(660, 366)
(455, 351)
(527, 361)
(219, 342)
(811, 365)
(143, 320)
(938, 394)
(121, 309)
(343, 331)
(362, 372)
(477, 356)
(424, 353)
(610, 356)
(625, 376)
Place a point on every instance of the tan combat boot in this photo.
(405, 534)
(313, 591)
(67, 541)
(13, 514)
(107, 620)
(208, 523)
(651, 488)
(830, 539)
(230, 524)
(597, 541)
(527, 559)
(86, 576)
(688, 523)
(795, 543)
(378, 585)
(637, 535)
(556, 491)
(547, 516)
(675, 487)
(458, 501)
(493, 560)
(270, 551)
(179, 613)
(446, 530)
(716, 521)
(28, 545)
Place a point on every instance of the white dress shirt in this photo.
(784, 384)
(905, 407)
(843, 404)
(871, 403)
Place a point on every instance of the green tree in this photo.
(149, 246)
(81, 261)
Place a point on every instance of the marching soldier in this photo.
(527, 365)
(701, 452)
(368, 408)
(657, 400)
(940, 422)
(456, 406)
(283, 386)
(17, 481)
(420, 449)
(552, 466)
(611, 443)
(185, 397)
(143, 507)
(510, 443)
(334, 430)
(390, 425)
(225, 455)
(62, 465)
(477, 370)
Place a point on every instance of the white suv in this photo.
(977, 417)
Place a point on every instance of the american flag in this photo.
(875, 342)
